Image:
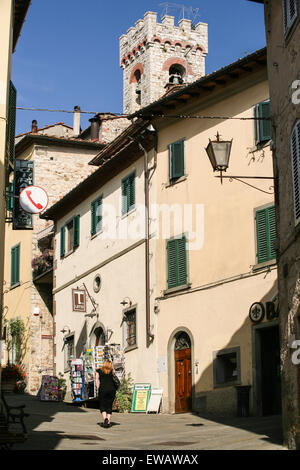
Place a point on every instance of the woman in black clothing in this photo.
(107, 390)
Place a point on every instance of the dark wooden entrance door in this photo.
(183, 381)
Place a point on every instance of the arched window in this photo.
(182, 341)
(176, 74)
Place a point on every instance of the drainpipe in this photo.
(149, 335)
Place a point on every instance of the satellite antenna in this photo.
(181, 10)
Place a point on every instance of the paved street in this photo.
(63, 426)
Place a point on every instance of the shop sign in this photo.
(258, 311)
(140, 398)
(78, 300)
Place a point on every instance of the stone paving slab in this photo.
(64, 426)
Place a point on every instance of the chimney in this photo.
(76, 122)
(34, 127)
(95, 128)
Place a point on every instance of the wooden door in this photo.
(183, 381)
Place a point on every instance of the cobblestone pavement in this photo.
(64, 426)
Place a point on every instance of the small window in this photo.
(290, 13)
(15, 265)
(96, 216)
(295, 156)
(128, 193)
(227, 367)
(176, 160)
(69, 236)
(68, 351)
(129, 322)
(177, 262)
(265, 234)
(263, 129)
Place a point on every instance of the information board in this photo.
(140, 398)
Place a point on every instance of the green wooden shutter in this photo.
(266, 234)
(96, 216)
(176, 159)
(265, 127)
(76, 231)
(172, 264)
(177, 262)
(62, 241)
(15, 265)
(128, 193)
(131, 194)
(11, 122)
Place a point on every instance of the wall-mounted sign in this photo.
(79, 300)
(140, 398)
(33, 199)
(258, 311)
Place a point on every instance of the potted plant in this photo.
(13, 378)
(62, 386)
(123, 399)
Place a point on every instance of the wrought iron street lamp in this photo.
(218, 152)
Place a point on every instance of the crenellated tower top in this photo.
(153, 55)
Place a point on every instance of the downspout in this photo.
(149, 335)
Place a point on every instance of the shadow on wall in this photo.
(218, 402)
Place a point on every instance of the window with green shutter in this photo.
(15, 265)
(295, 156)
(266, 234)
(263, 125)
(11, 123)
(176, 160)
(96, 216)
(62, 241)
(177, 262)
(76, 231)
(128, 193)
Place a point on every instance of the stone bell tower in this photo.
(154, 54)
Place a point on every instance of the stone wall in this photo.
(284, 69)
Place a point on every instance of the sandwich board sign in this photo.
(155, 400)
(140, 398)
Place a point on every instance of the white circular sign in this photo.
(33, 199)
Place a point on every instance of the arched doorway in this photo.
(100, 337)
(183, 373)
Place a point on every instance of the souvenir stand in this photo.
(94, 359)
(78, 380)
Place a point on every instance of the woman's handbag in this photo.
(116, 381)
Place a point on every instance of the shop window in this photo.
(68, 351)
(129, 324)
(227, 367)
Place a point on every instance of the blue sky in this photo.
(68, 52)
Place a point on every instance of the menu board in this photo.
(140, 398)
(49, 388)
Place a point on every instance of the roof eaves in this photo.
(20, 11)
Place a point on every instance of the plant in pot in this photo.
(123, 399)
(62, 386)
(13, 378)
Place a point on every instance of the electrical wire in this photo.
(148, 116)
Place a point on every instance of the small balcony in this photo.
(42, 267)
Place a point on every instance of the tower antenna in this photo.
(181, 10)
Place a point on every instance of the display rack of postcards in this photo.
(118, 358)
(99, 356)
(77, 380)
(49, 388)
(89, 373)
